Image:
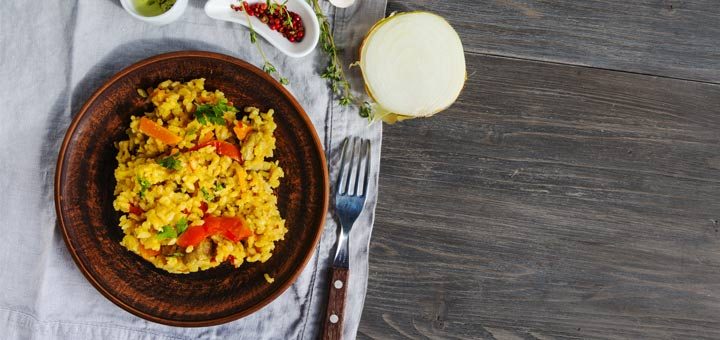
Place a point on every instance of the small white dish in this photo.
(220, 10)
(174, 13)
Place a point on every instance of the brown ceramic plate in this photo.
(84, 184)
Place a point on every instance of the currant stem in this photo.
(268, 67)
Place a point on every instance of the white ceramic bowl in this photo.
(220, 10)
(174, 13)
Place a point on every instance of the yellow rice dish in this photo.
(195, 183)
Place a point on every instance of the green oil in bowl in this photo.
(151, 8)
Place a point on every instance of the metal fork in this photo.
(349, 202)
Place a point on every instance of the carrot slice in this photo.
(206, 138)
(158, 132)
(241, 130)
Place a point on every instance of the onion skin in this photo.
(378, 111)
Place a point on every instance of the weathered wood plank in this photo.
(663, 37)
(551, 201)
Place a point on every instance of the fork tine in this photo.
(366, 181)
(358, 172)
(338, 187)
(350, 167)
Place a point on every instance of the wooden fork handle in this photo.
(333, 324)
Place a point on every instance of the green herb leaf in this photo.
(208, 113)
(333, 72)
(345, 101)
(219, 186)
(284, 81)
(366, 110)
(168, 232)
(253, 37)
(170, 162)
(208, 196)
(181, 225)
(269, 68)
(144, 185)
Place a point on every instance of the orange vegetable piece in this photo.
(233, 228)
(241, 130)
(192, 236)
(158, 132)
(206, 138)
(222, 148)
(227, 149)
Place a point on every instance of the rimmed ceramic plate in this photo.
(84, 184)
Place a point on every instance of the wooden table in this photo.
(573, 191)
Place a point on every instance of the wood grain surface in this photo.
(675, 38)
(551, 201)
(335, 312)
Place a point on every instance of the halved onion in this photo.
(413, 65)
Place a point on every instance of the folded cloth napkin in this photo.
(54, 55)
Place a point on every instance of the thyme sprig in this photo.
(334, 71)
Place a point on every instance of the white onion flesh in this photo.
(413, 65)
(342, 3)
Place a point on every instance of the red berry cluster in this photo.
(278, 18)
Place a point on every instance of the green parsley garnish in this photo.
(207, 113)
(170, 162)
(208, 196)
(181, 226)
(219, 186)
(144, 185)
(173, 232)
(168, 232)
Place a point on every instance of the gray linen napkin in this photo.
(54, 54)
